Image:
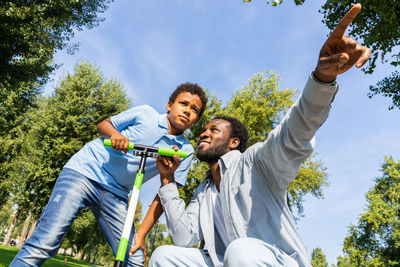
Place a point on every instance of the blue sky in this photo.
(153, 46)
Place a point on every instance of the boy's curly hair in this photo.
(194, 89)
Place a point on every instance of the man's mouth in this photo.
(203, 143)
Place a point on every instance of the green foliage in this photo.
(375, 240)
(155, 238)
(278, 2)
(84, 232)
(57, 129)
(311, 178)
(259, 105)
(343, 261)
(318, 258)
(388, 87)
(31, 32)
(378, 28)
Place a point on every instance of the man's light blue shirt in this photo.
(115, 170)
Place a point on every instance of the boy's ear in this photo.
(234, 143)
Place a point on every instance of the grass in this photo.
(7, 254)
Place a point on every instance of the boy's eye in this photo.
(194, 109)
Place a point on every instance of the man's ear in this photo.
(169, 106)
(234, 143)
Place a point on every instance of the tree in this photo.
(375, 240)
(155, 238)
(343, 261)
(377, 27)
(57, 129)
(278, 2)
(318, 258)
(260, 105)
(31, 32)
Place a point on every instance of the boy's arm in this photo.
(118, 141)
(153, 214)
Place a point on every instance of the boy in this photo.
(101, 178)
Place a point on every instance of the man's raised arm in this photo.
(291, 142)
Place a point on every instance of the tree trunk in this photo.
(12, 228)
(153, 242)
(79, 255)
(33, 227)
(24, 231)
(96, 254)
(89, 255)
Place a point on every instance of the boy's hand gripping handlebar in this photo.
(162, 151)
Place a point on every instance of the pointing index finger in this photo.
(339, 30)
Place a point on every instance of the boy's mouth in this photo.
(184, 118)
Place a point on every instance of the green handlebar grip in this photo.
(170, 152)
(107, 143)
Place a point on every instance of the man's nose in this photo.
(204, 134)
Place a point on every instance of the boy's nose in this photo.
(186, 110)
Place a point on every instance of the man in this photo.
(240, 208)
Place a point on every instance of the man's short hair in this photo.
(192, 88)
(238, 130)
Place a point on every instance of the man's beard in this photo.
(212, 154)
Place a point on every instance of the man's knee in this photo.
(161, 256)
(248, 252)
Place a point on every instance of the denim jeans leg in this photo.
(173, 256)
(71, 193)
(111, 213)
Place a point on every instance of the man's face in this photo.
(214, 141)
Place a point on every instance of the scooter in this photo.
(143, 152)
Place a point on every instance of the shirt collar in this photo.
(225, 162)
(163, 123)
(228, 159)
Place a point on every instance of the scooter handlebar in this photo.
(162, 151)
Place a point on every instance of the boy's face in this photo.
(183, 112)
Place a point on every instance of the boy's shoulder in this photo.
(143, 111)
(146, 108)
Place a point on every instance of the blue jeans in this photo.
(241, 252)
(71, 193)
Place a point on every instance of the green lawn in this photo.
(7, 254)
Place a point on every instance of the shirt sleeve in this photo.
(183, 223)
(127, 117)
(290, 143)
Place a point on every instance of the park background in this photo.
(153, 46)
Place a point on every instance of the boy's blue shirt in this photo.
(115, 170)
